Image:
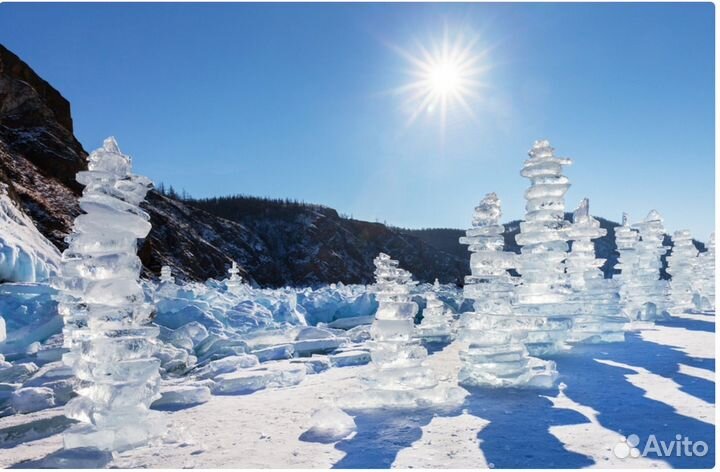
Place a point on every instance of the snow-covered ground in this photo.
(659, 382)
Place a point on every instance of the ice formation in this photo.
(544, 289)
(25, 254)
(107, 330)
(235, 279)
(595, 300)
(682, 268)
(435, 325)
(626, 241)
(704, 298)
(397, 376)
(329, 424)
(650, 300)
(166, 275)
(491, 336)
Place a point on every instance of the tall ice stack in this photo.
(107, 320)
(491, 336)
(544, 288)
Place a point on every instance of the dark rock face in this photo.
(312, 244)
(198, 245)
(39, 156)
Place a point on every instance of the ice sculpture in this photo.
(595, 300)
(544, 288)
(107, 320)
(704, 298)
(166, 275)
(682, 268)
(493, 352)
(397, 376)
(626, 241)
(651, 297)
(166, 287)
(235, 282)
(435, 325)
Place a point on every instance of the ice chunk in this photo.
(492, 337)
(173, 359)
(106, 315)
(57, 377)
(351, 322)
(181, 396)
(242, 381)
(315, 364)
(350, 358)
(6, 391)
(29, 399)
(329, 424)
(272, 374)
(17, 373)
(313, 340)
(30, 314)
(227, 364)
(273, 353)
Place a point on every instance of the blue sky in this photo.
(295, 100)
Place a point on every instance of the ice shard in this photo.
(704, 291)
(397, 375)
(544, 288)
(682, 268)
(594, 301)
(107, 319)
(492, 337)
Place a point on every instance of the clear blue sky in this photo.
(292, 100)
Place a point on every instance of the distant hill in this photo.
(312, 244)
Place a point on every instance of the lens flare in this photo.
(443, 77)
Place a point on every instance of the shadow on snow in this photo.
(518, 433)
(622, 407)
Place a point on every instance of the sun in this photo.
(444, 76)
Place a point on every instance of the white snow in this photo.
(576, 426)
